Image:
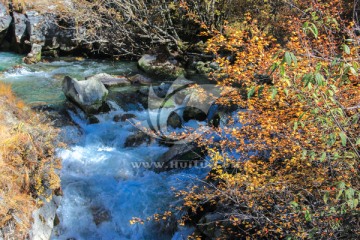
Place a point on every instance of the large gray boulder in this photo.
(45, 30)
(5, 20)
(35, 27)
(109, 80)
(19, 27)
(90, 95)
(169, 68)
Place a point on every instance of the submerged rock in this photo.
(150, 65)
(109, 80)
(100, 215)
(93, 120)
(137, 139)
(124, 117)
(90, 95)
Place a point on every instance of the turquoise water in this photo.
(41, 83)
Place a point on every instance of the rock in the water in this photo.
(137, 139)
(124, 117)
(149, 64)
(100, 215)
(89, 95)
(35, 55)
(174, 120)
(140, 79)
(109, 80)
(180, 156)
(93, 120)
(5, 20)
(193, 113)
(19, 27)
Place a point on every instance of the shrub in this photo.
(28, 166)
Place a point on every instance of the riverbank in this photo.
(28, 166)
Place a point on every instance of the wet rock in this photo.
(90, 95)
(170, 69)
(35, 55)
(193, 113)
(124, 117)
(117, 118)
(180, 156)
(174, 120)
(5, 20)
(140, 79)
(93, 120)
(109, 80)
(100, 215)
(129, 97)
(162, 90)
(137, 139)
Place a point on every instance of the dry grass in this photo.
(27, 164)
(42, 6)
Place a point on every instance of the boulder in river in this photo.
(174, 120)
(137, 139)
(124, 117)
(180, 156)
(109, 80)
(100, 214)
(90, 95)
(168, 68)
(140, 79)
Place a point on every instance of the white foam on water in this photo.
(98, 172)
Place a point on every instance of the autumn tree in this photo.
(292, 169)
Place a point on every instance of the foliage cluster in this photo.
(28, 166)
(292, 169)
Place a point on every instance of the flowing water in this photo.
(103, 187)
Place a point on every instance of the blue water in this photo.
(98, 172)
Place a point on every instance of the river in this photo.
(102, 188)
